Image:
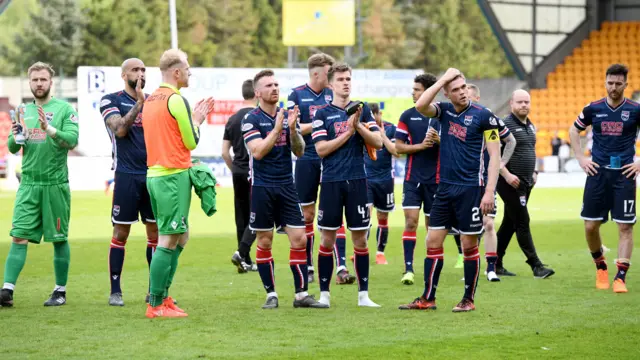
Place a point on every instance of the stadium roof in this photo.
(529, 30)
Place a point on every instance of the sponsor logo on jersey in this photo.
(105, 102)
(625, 115)
(127, 105)
(246, 127)
(265, 124)
(333, 117)
(458, 131)
(317, 123)
(601, 115)
(290, 104)
(611, 128)
(36, 135)
(415, 118)
(306, 100)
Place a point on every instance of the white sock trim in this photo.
(60, 288)
(340, 268)
(272, 294)
(301, 295)
(9, 286)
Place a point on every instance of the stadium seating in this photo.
(580, 80)
(5, 128)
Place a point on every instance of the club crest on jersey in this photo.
(252, 217)
(116, 210)
(48, 117)
(320, 214)
(468, 119)
(328, 98)
(523, 200)
(625, 115)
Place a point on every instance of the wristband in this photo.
(51, 131)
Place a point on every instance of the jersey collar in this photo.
(175, 89)
(267, 114)
(313, 92)
(617, 107)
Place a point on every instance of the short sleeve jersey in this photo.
(308, 102)
(347, 162)
(463, 141)
(614, 130)
(421, 166)
(275, 168)
(381, 169)
(128, 152)
(504, 133)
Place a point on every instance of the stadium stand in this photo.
(580, 80)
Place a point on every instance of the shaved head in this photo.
(520, 104)
(132, 70)
(131, 63)
(519, 94)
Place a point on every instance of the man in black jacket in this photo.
(239, 167)
(516, 180)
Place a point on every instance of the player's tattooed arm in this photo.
(120, 125)
(297, 142)
(509, 147)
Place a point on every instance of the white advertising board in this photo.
(392, 87)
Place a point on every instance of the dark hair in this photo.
(261, 74)
(247, 90)
(427, 80)
(375, 108)
(618, 69)
(338, 68)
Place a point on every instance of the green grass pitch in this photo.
(558, 318)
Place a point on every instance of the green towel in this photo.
(204, 184)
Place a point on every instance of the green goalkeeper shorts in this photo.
(170, 200)
(42, 210)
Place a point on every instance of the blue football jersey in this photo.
(463, 141)
(308, 102)
(129, 152)
(421, 166)
(382, 168)
(347, 162)
(275, 168)
(614, 130)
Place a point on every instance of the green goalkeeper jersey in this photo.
(44, 159)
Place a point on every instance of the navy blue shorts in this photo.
(275, 205)
(380, 195)
(416, 195)
(349, 195)
(130, 198)
(609, 191)
(454, 226)
(457, 208)
(307, 178)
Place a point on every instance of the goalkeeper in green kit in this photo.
(43, 200)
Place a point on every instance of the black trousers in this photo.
(242, 201)
(516, 220)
